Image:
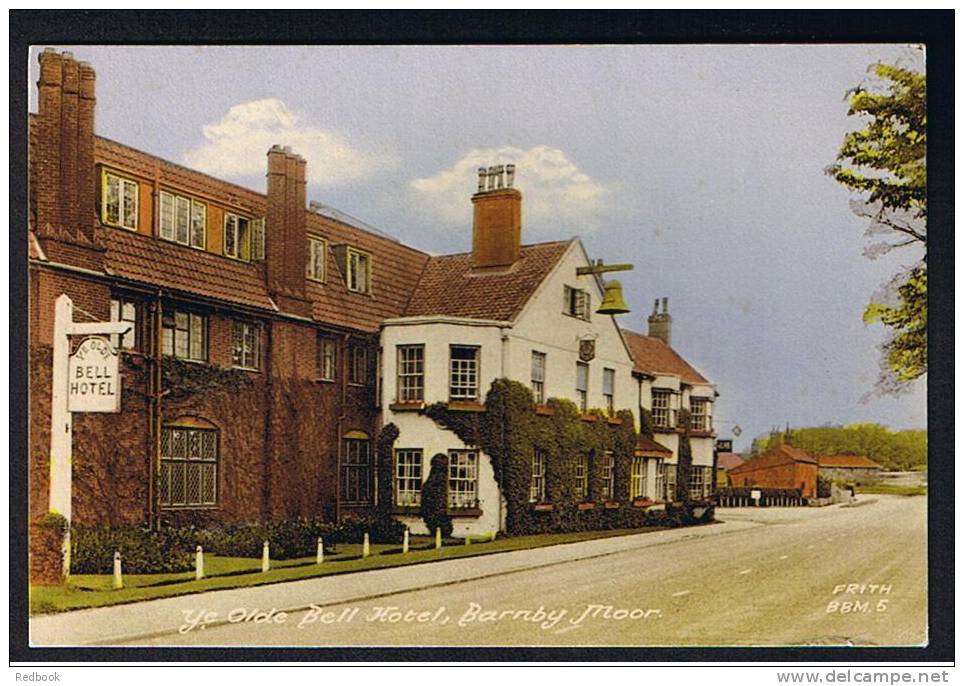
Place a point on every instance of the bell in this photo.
(613, 302)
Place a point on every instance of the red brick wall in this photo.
(790, 475)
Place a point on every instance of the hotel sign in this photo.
(93, 383)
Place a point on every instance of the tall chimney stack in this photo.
(497, 219)
(63, 183)
(661, 323)
(286, 237)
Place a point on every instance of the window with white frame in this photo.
(357, 471)
(700, 414)
(537, 482)
(582, 476)
(463, 478)
(188, 473)
(184, 335)
(576, 302)
(662, 408)
(700, 482)
(119, 202)
(237, 236)
(182, 220)
(660, 485)
(408, 476)
(317, 252)
(411, 373)
(327, 358)
(463, 372)
(637, 478)
(539, 376)
(608, 472)
(123, 310)
(359, 271)
(358, 364)
(582, 385)
(669, 482)
(246, 345)
(609, 386)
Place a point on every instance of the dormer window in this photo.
(183, 220)
(317, 249)
(119, 202)
(576, 303)
(237, 236)
(359, 271)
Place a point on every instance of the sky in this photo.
(701, 165)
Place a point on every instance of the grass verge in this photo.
(94, 590)
(891, 489)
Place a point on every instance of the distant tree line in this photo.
(893, 450)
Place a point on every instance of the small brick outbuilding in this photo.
(782, 466)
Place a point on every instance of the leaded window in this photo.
(189, 467)
(608, 472)
(582, 476)
(357, 471)
(700, 414)
(184, 335)
(246, 345)
(327, 358)
(120, 201)
(638, 478)
(317, 251)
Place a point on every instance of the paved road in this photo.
(775, 583)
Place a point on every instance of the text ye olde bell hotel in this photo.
(269, 341)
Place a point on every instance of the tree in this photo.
(885, 163)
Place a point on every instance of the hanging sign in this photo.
(93, 382)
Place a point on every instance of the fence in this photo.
(769, 497)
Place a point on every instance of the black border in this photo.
(934, 28)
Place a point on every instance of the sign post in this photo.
(87, 381)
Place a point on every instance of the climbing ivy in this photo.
(509, 431)
(182, 378)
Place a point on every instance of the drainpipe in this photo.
(339, 426)
(154, 422)
(503, 332)
(268, 362)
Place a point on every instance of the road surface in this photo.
(803, 576)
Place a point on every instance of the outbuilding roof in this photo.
(860, 461)
(730, 460)
(775, 456)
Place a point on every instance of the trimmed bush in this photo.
(435, 496)
(142, 551)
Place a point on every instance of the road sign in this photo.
(93, 377)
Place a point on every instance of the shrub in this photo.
(142, 551)
(435, 497)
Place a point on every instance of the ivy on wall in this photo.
(510, 430)
(182, 378)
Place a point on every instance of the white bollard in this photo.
(365, 547)
(265, 557)
(405, 542)
(438, 538)
(321, 552)
(118, 577)
(198, 563)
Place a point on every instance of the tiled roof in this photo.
(449, 288)
(652, 356)
(168, 265)
(155, 262)
(646, 446)
(847, 461)
(778, 455)
(730, 460)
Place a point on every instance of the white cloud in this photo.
(556, 194)
(237, 145)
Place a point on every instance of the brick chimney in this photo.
(63, 183)
(497, 220)
(661, 323)
(286, 238)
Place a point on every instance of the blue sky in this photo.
(701, 165)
